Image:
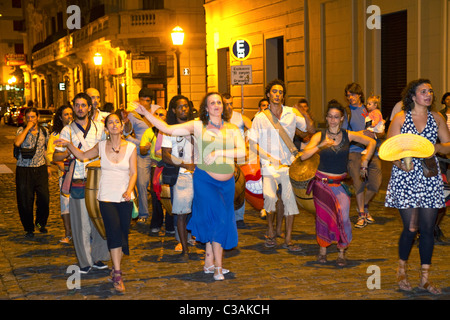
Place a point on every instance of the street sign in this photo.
(241, 49)
(241, 75)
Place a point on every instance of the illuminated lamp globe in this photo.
(177, 36)
(98, 59)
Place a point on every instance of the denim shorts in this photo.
(183, 193)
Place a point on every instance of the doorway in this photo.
(393, 59)
(274, 59)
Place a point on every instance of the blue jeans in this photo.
(239, 213)
(143, 180)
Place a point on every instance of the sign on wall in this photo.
(241, 75)
(241, 49)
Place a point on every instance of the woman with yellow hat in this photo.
(416, 196)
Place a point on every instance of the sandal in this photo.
(322, 258)
(428, 286)
(369, 218)
(211, 268)
(341, 262)
(361, 222)
(270, 242)
(292, 247)
(402, 278)
(219, 276)
(117, 281)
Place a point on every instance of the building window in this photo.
(16, 3)
(152, 4)
(18, 48)
(18, 25)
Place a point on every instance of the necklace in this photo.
(114, 149)
(218, 126)
(333, 135)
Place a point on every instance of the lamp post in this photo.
(98, 60)
(177, 40)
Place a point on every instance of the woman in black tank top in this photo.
(331, 201)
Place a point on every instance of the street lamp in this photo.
(12, 80)
(98, 60)
(177, 40)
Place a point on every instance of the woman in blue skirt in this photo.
(219, 143)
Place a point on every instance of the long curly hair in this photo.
(204, 117)
(57, 122)
(410, 91)
(171, 114)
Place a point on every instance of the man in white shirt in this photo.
(276, 158)
(91, 249)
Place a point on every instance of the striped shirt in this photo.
(95, 134)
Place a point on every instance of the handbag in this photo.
(135, 210)
(68, 186)
(77, 190)
(27, 153)
(429, 167)
(69, 169)
(169, 174)
(16, 152)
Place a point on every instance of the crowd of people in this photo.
(198, 152)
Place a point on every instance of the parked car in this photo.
(45, 118)
(7, 118)
(19, 116)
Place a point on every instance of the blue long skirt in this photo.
(213, 217)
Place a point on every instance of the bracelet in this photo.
(363, 168)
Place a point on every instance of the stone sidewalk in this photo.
(36, 269)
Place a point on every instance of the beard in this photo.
(81, 117)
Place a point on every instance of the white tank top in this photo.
(114, 177)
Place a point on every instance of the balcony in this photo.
(115, 26)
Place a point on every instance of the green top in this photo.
(211, 141)
(149, 136)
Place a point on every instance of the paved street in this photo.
(37, 269)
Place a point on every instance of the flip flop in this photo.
(292, 247)
(270, 242)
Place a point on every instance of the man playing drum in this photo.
(276, 158)
(91, 249)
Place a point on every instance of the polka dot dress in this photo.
(412, 189)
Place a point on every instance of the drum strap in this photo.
(283, 134)
(80, 135)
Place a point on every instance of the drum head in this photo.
(302, 171)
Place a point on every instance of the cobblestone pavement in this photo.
(37, 269)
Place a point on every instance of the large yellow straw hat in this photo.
(405, 146)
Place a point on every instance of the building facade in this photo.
(12, 55)
(133, 39)
(319, 46)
